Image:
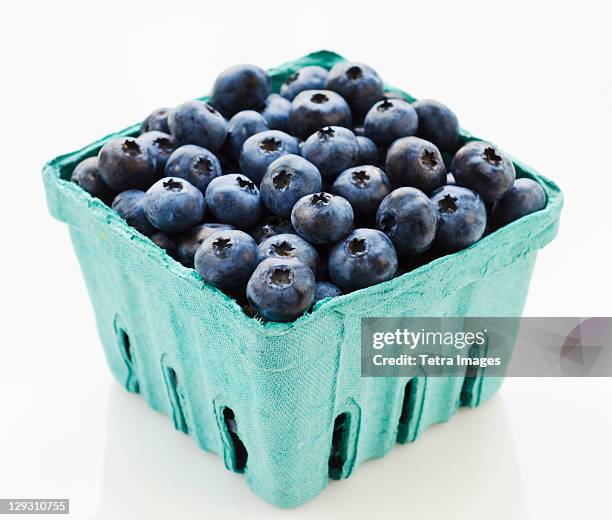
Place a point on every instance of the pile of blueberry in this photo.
(328, 187)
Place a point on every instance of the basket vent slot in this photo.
(407, 415)
(126, 352)
(339, 446)
(239, 455)
(470, 391)
(174, 397)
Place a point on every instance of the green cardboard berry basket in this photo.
(194, 355)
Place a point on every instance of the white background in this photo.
(533, 77)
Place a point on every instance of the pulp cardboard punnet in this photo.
(193, 354)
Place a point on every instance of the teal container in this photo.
(194, 355)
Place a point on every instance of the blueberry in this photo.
(261, 149)
(312, 77)
(275, 110)
(125, 164)
(288, 246)
(189, 241)
(166, 241)
(409, 219)
(326, 290)
(174, 205)
(462, 218)
(87, 176)
(322, 218)
(313, 109)
(437, 124)
(332, 149)
(161, 145)
(389, 120)
(481, 167)
(526, 196)
(271, 226)
(281, 289)
(239, 128)
(156, 121)
(288, 179)
(241, 87)
(195, 164)
(414, 162)
(368, 151)
(234, 199)
(129, 205)
(363, 258)
(450, 179)
(358, 83)
(226, 259)
(196, 122)
(364, 187)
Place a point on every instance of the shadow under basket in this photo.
(285, 404)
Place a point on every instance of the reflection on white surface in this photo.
(464, 469)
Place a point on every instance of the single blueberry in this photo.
(363, 258)
(526, 196)
(389, 120)
(174, 205)
(364, 187)
(196, 122)
(125, 164)
(358, 83)
(450, 179)
(87, 176)
(326, 290)
(275, 110)
(239, 128)
(481, 167)
(409, 219)
(288, 246)
(189, 241)
(166, 241)
(288, 179)
(414, 162)
(312, 77)
(368, 151)
(462, 218)
(241, 87)
(156, 120)
(313, 109)
(226, 259)
(161, 145)
(129, 205)
(234, 199)
(322, 218)
(271, 226)
(332, 149)
(261, 149)
(195, 164)
(437, 124)
(281, 289)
